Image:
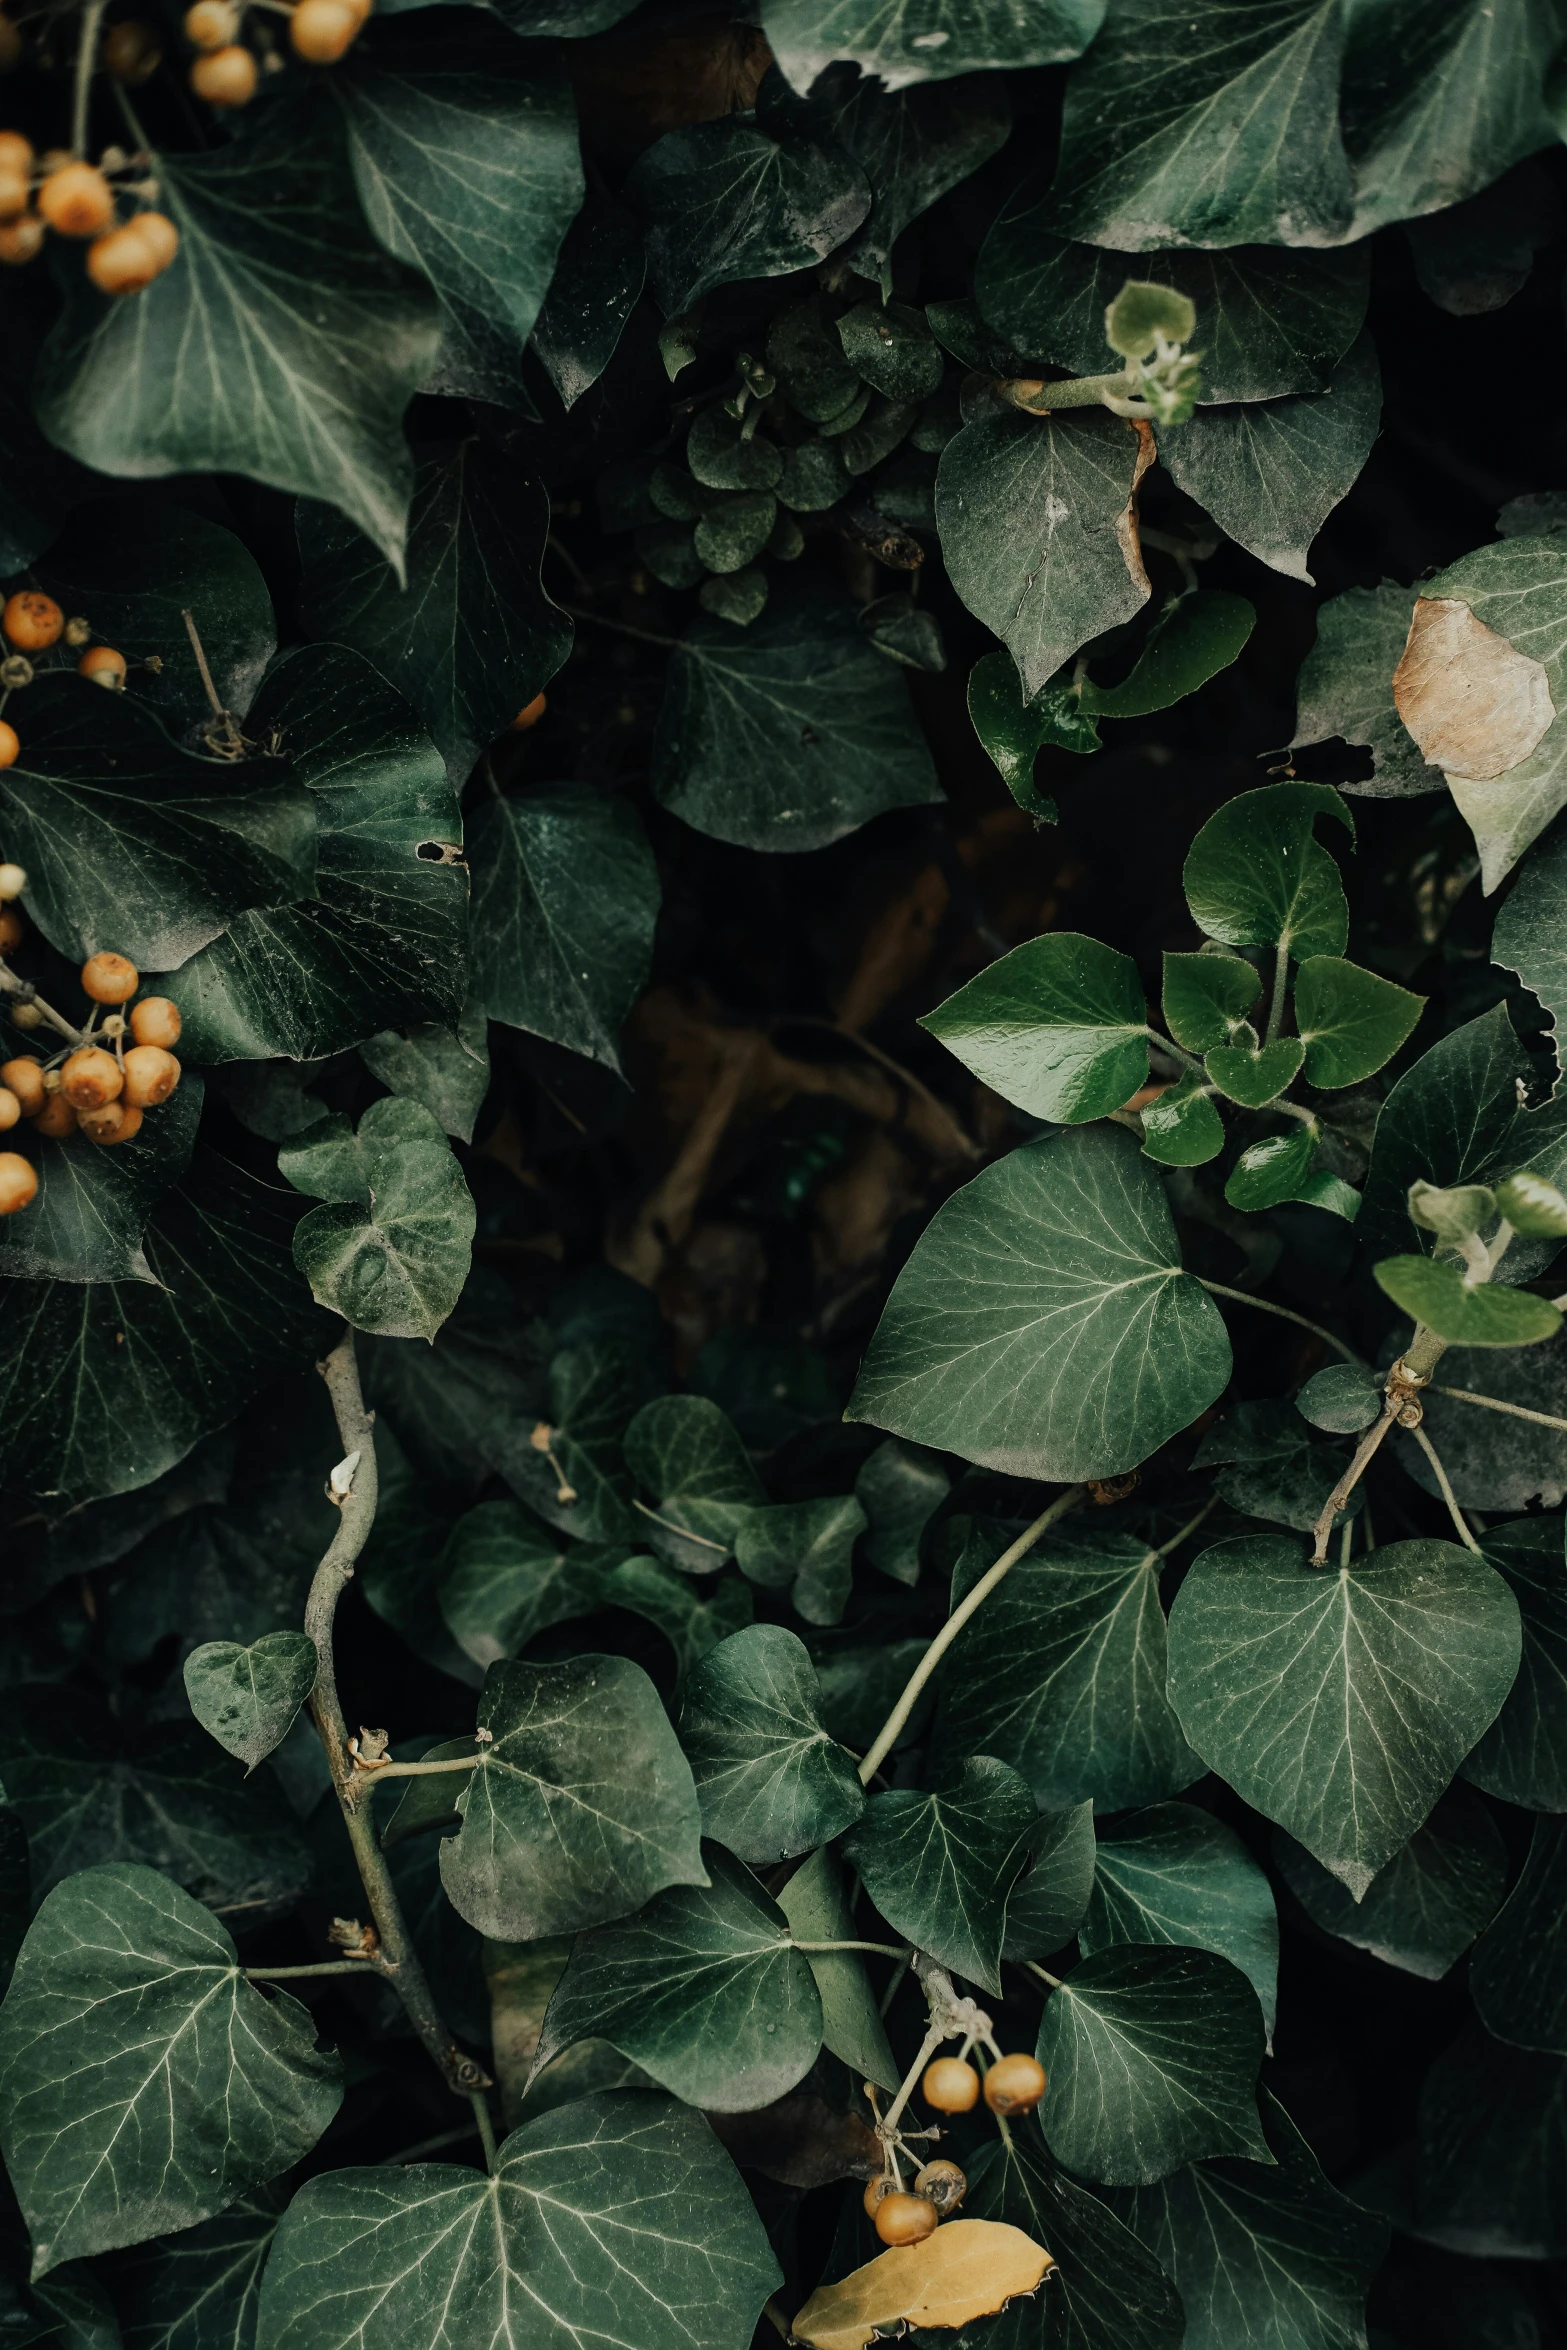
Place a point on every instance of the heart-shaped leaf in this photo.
(1424, 1909)
(770, 1781)
(939, 1867)
(900, 1489)
(1256, 876)
(248, 1697)
(390, 1251)
(1272, 1170)
(1255, 1078)
(447, 1069)
(1350, 1020)
(1176, 1874)
(1341, 1397)
(1206, 998)
(1058, 1026)
(1182, 1128)
(683, 1451)
(806, 1548)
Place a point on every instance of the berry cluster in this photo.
(34, 623)
(77, 199)
(320, 31)
(1013, 2085)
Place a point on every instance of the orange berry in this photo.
(10, 744)
(131, 52)
(1014, 2084)
(12, 929)
(151, 1075)
(18, 1182)
(114, 1122)
(529, 715)
(950, 2084)
(90, 1078)
(25, 1078)
(16, 153)
(110, 979)
(943, 2184)
(225, 78)
(875, 2189)
(322, 30)
(10, 1109)
(77, 200)
(211, 24)
(159, 235)
(103, 664)
(56, 1119)
(21, 240)
(905, 2219)
(155, 1020)
(13, 193)
(31, 620)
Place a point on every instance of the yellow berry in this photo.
(1014, 2084)
(91, 1077)
(904, 2219)
(110, 978)
(18, 1182)
(322, 30)
(950, 2084)
(77, 200)
(225, 78)
(151, 1075)
(103, 665)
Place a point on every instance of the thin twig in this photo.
(325, 1966)
(1494, 1403)
(1243, 1297)
(621, 627)
(880, 1949)
(486, 2128)
(86, 60)
(1044, 1975)
(218, 711)
(1440, 1474)
(1339, 1497)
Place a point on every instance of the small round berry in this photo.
(114, 1122)
(131, 52)
(26, 1016)
(16, 671)
(13, 880)
(18, 1182)
(14, 192)
(943, 2184)
(12, 929)
(25, 1078)
(109, 978)
(950, 2084)
(151, 1075)
(875, 2189)
(21, 241)
(905, 2219)
(155, 1020)
(322, 30)
(10, 1109)
(77, 631)
(91, 1077)
(1014, 2084)
(10, 744)
(77, 200)
(211, 24)
(16, 153)
(128, 259)
(56, 1119)
(226, 77)
(159, 236)
(104, 666)
(529, 715)
(32, 620)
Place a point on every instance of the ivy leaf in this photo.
(618, 2213)
(1516, 1975)
(816, 1905)
(1192, 640)
(1486, 1315)
(1373, 1683)
(1345, 688)
(1424, 1909)
(1351, 1021)
(1271, 472)
(1451, 1119)
(504, 1578)
(1206, 997)
(939, 1867)
(466, 161)
(1271, 1171)
(744, 199)
(685, 1452)
(1048, 1901)
(266, 349)
(789, 736)
(1256, 876)
(770, 1781)
(900, 1489)
(579, 1809)
(1062, 1673)
(1036, 529)
(91, 1208)
(598, 276)
(1182, 1128)
(144, 2084)
(1152, 2055)
(702, 1988)
(1058, 1026)
(1523, 1755)
(1528, 933)
(248, 1697)
(594, 1393)
(471, 637)
(198, 2290)
(1175, 1874)
(806, 1548)
(1255, 1078)
(924, 40)
(1013, 731)
(565, 899)
(1261, 2254)
(390, 1251)
(1183, 127)
(912, 144)
(1489, 2167)
(1274, 1467)
(383, 941)
(1011, 1334)
(135, 844)
(693, 1617)
(445, 1069)
(1341, 1398)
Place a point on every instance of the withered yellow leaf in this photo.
(1475, 705)
(969, 2268)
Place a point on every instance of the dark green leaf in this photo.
(1256, 875)
(1523, 1756)
(890, 347)
(1341, 1397)
(39, 484)
(1255, 1078)
(248, 1697)
(1206, 997)
(1373, 1682)
(91, 1208)
(384, 939)
(459, 1407)
(770, 1781)
(1350, 1020)
(693, 1617)
(1152, 2055)
(790, 736)
(267, 349)
(1058, 1027)
(1011, 1334)
(1175, 1874)
(198, 2290)
(702, 1988)
(581, 1484)
(597, 280)
(1491, 2177)
(1449, 1120)
(391, 1248)
(899, 1488)
(619, 2214)
(447, 1069)
(472, 636)
(1274, 1467)
(1518, 1974)
(1192, 640)
(1424, 1909)
(806, 1548)
(504, 1577)
(144, 2084)
(939, 1867)
(1182, 1128)
(581, 1806)
(912, 145)
(1494, 1460)
(1528, 937)
(1486, 1315)
(816, 1905)
(683, 1451)
(1345, 688)
(1014, 732)
(1046, 1904)
(1268, 1172)
(924, 40)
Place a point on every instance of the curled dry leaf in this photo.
(969, 2268)
(1472, 701)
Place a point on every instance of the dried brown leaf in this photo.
(969, 2268)
(1475, 705)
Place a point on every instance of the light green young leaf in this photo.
(1152, 2054)
(446, 1069)
(1424, 1909)
(248, 1697)
(1485, 1315)
(1176, 1874)
(1058, 1027)
(904, 41)
(685, 1453)
(806, 1548)
(1011, 1334)
(1142, 314)
(1351, 1021)
(770, 1781)
(391, 1249)
(144, 2084)
(1013, 731)
(1206, 997)
(1047, 1903)
(1345, 688)
(939, 1867)
(1518, 1974)
(1523, 1756)
(504, 1577)
(1182, 1128)
(1341, 1703)
(1256, 875)
(581, 1806)
(702, 1988)
(816, 1904)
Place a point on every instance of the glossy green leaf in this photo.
(1372, 1682)
(445, 1069)
(1176, 1874)
(912, 143)
(1271, 472)
(1273, 1467)
(1206, 998)
(1047, 1902)
(1192, 640)
(581, 1806)
(806, 1548)
(906, 41)
(1523, 1755)
(618, 2214)
(770, 1781)
(702, 1988)
(384, 938)
(1013, 732)
(391, 1248)
(505, 1577)
(1061, 1673)
(472, 636)
(789, 736)
(1518, 1974)
(598, 277)
(899, 1488)
(1034, 516)
(1058, 1027)
(816, 1904)
(1435, 1293)
(1450, 1120)
(684, 1453)
(1345, 688)
(565, 897)
(1182, 1128)
(144, 2084)
(939, 1867)
(1351, 1021)
(1255, 1078)
(198, 2290)
(1152, 2055)
(1271, 1171)
(248, 1697)
(1011, 1333)
(1424, 1909)
(1257, 876)
(890, 347)
(266, 349)
(86, 1221)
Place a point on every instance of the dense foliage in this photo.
(831, 735)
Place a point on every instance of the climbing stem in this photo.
(1243, 1297)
